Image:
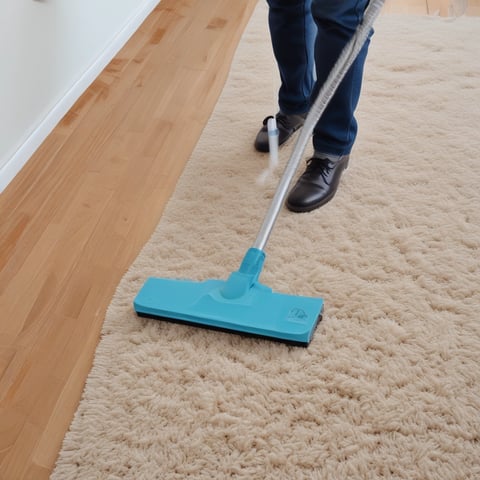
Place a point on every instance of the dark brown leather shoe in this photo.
(287, 125)
(317, 185)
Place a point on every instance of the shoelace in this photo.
(318, 165)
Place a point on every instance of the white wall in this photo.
(50, 52)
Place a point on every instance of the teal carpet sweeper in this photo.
(241, 304)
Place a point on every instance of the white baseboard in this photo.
(28, 148)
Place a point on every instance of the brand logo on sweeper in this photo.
(297, 315)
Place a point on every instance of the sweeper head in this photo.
(240, 304)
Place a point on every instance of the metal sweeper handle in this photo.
(347, 57)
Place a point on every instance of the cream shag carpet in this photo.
(389, 388)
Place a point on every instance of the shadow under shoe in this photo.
(287, 125)
(317, 185)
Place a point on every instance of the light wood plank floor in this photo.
(76, 216)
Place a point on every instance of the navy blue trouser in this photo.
(307, 38)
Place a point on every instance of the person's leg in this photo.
(335, 132)
(336, 22)
(292, 33)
